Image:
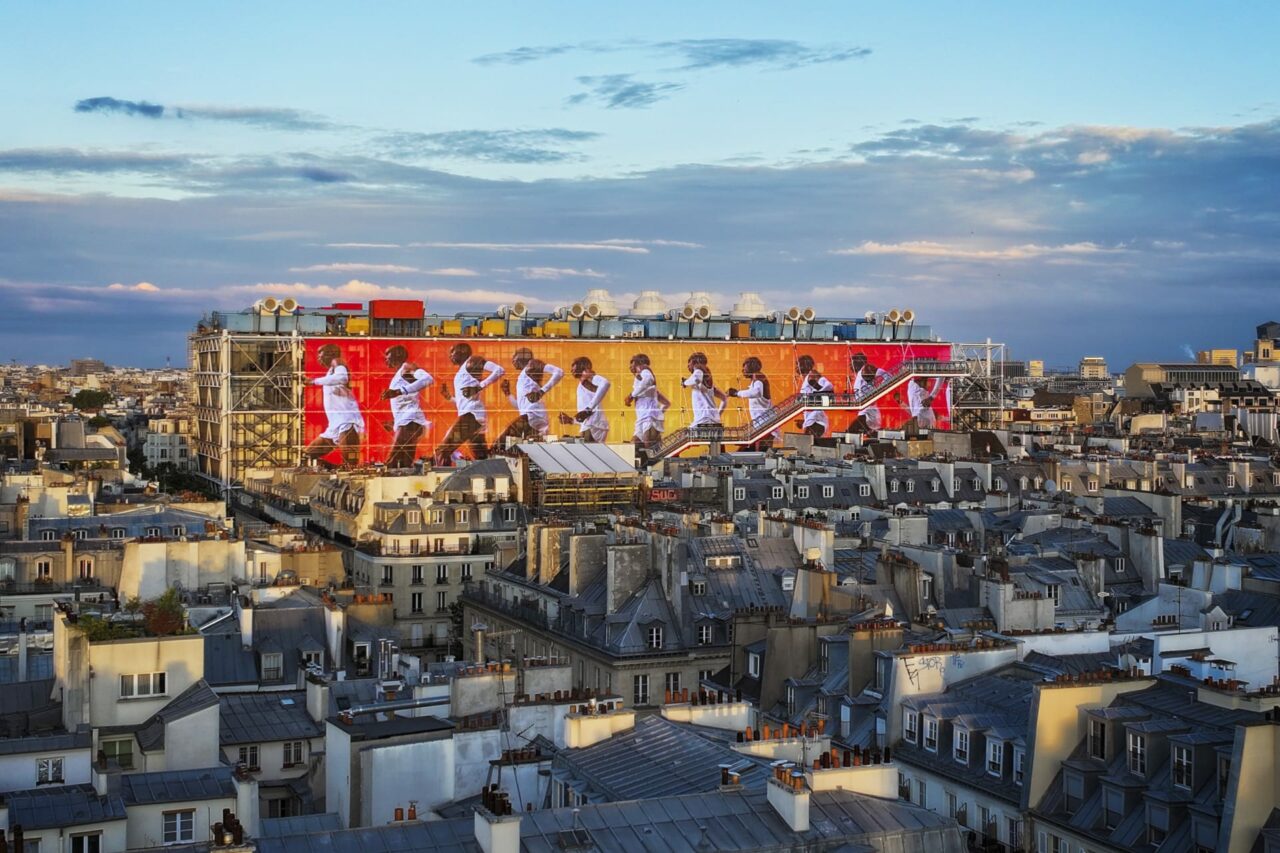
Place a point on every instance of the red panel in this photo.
(396, 309)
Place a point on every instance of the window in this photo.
(249, 757)
(509, 514)
(910, 725)
(828, 491)
(179, 827)
(655, 637)
(704, 635)
(1097, 740)
(926, 588)
(44, 569)
(1137, 754)
(995, 757)
(86, 842)
(698, 588)
(442, 601)
(84, 568)
(272, 666)
(153, 532)
(1224, 777)
(960, 745)
(1054, 591)
(911, 485)
(437, 516)
(442, 572)
(466, 571)
(1182, 766)
(144, 684)
(753, 665)
(1066, 484)
(461, 516)
(931, 734)
(802, 492)
(416, 574)
(739, 493)
(178, 531)
(640, 690)
(413, 517)
(119, 751)
(8, 569)
(893, 485)
(952, 807)
(313, 659)
(415, 602)
(673, 682)
(777, 493)
(864, 491)
(292, 753)
(921, 794)
(1015, 832)
(117, 533)
(48, 535)
(1019, 763)
(705, 675)
(48, 771)
(388, 574)
(1093, 485)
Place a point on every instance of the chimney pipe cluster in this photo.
(728, 777)
(856, 757)
(1102, 675)
(786, 774)
(783, 732)
(701, 697)
(229, 831)
(498, 802)
(413, 812)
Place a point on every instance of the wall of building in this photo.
(146, 822)
(393, 775)
(180, 658)
(18, 771)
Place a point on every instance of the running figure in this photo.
(342, 409)
(651, 404)
(920, 397)
(759, 400)
(408, 420)
(533, 423)
(473, 376)
(865, 377)
(592, 423)
(812, 382)
(708, 400)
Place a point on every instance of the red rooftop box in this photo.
(348, 306)
(396, 309)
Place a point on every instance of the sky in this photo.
(1069, 179)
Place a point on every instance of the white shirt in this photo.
(407, 407)
(815, 416)
(340, 404)
(758, 405)
(916, 395)
(705, 410)
(473, 406)
(644, 393)
(536, 412)
(590, 401)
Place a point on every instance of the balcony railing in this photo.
(521, 609)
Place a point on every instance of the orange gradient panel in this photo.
(365, 359)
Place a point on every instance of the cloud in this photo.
(700, 54)
(556, 273)
(106, 104)
(357, 268)
(622, 91)
(677, 244)
(74, 160)
(946, 252)
(547, 145)
(602, 246)
(363, 245)
(695, 54)
(273, 118)
(140, 287)
(357, 289)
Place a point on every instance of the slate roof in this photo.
(1072, 664)
(1183, 552)
(177, 786)
(62, 806)
(284, 826)
(265, 717)
(1126, 507)
(227, 662)
(59, 741)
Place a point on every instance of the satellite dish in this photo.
(1050, 486)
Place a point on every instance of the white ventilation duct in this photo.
(649, 304)
(288, 305)
(577, 310)
(748, 307)
(704, 312)
(268, 305)
(698, 299)
(808, 315)
(604, 303)
(518, 309)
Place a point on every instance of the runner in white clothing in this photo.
(759, 400)
(341, 408)
(409, 422)
(651, 405)
(813, 383)
(865, 377)
(536, 378)
(593, 424)
(920, 397)
(708, 400)
(473, 376)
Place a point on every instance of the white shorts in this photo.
(335, 430)
(595, 433)
(872, 415)
(811, 418)
(539, 421)
(648, 422)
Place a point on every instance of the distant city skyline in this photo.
(1083, 180)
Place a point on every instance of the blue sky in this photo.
(1072, 178)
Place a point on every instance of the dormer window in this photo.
(931, 734)
(1097, 739)
(153, 532)
(911, 485)
(1067, 484)
(1019, 765)
(739, 493)
(1137, 754)
(1093, 485)
(437, 516)
(48, 535)
(117, 533)
(704, 635)
(1182, 766)
(1054, 591)
(893, 485)
(179, 531)
(1022, 483)
(82, 534)
(977, 484)
(462, 516)
(960, 745)
(272, 666)
(910, 725)
(654, 637)
(828, 491)
(995, 757)
(864, 491)
(1231, 481)
(1001, 484)
(753, 665)
(413, 516)
(1039, 483)
(777, 493)
(698, 588)
(802, 492)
